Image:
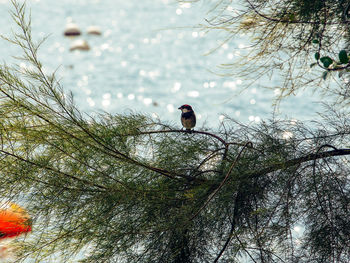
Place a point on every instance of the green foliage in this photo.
(127, 188)
(327, 61)
(317, 55)
(283, 37)
(308, 9)
(325, 74)
(343, 57)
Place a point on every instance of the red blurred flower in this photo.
(14, 221)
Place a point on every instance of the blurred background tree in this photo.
(129, 188)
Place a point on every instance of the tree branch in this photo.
(303, 159)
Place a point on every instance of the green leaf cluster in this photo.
(343, 57)
(283, 37)
(327, 61)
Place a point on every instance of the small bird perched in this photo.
(188, 118)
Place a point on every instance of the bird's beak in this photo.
(179, 108)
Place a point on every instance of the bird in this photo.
(188, 118)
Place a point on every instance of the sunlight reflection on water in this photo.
(148, 58)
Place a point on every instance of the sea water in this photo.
(151, 58)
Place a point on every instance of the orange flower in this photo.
(14, 221)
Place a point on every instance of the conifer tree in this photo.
(129, 188)
(304, 42)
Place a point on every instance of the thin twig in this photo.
(221, 184)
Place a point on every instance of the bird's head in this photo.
(185, 108)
